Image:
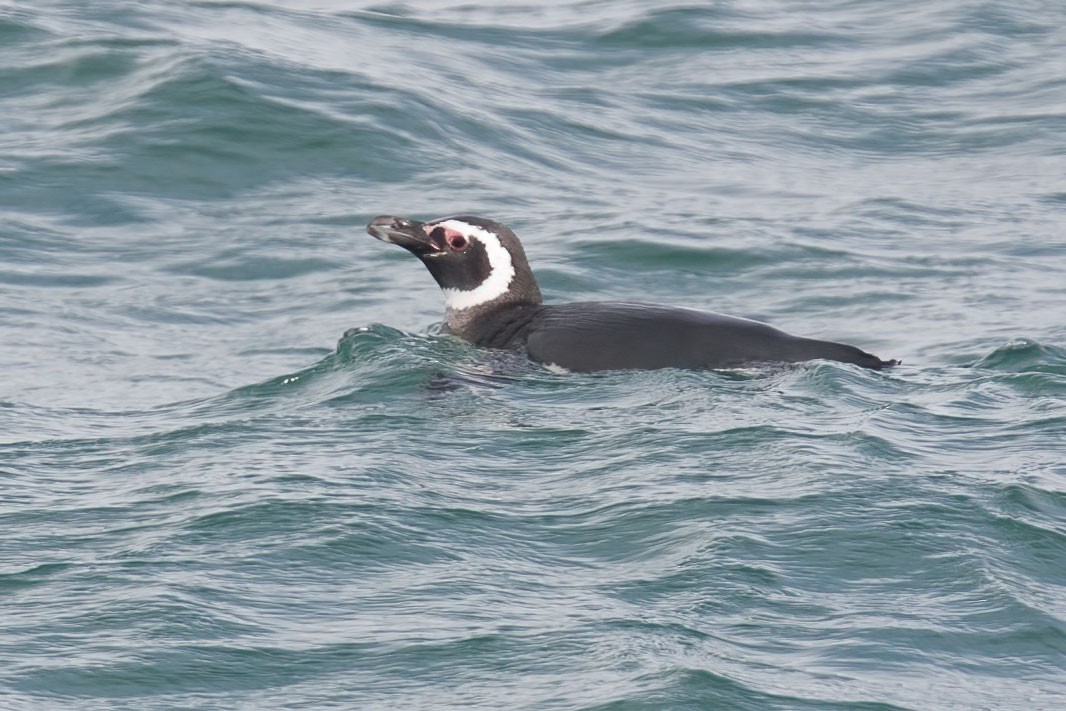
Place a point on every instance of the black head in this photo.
(478, 264)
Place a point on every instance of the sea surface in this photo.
(242, 468)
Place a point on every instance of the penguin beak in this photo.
(409, 234)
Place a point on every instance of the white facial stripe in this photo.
(501, 270)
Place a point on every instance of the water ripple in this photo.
(212, 501)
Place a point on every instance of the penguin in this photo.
(491, 299)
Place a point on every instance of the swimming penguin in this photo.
(491, 299)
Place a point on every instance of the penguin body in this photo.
(493, 300)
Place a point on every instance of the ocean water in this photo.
(240, 467)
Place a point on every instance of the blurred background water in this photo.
(211, 499)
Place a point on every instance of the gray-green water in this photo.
(206, 502)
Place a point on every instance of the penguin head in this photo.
(479, 264)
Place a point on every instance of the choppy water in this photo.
(207, 502)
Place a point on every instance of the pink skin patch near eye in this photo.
(455, 239)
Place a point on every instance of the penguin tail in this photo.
(878, 364)
(844, 353)
(867, 360)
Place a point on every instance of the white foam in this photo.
(501, 269)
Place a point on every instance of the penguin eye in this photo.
(457, 242)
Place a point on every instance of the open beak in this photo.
(409, 234)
